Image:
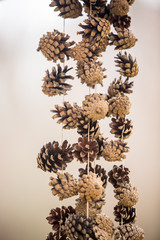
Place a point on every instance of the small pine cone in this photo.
(54, 46)
(121, 22)
(121, 127)
(83, 124)
(117, 86)
(90, 187)
(85, 149)
(105, 223)
(95, 106)
(100, 234)
(130, 2)
(64, 186)
(53, 157)
(123, 40)
(119, 106)
(67, 8)
(130, 232)
(113, 151)
(91, 73)
(124, 215)
(68, 115)
(118, 175)
(119, 7)
(97, 6)
(127, 195)
(54, 83)
(101, 141)
(128, 66)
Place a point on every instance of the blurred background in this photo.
(27, 124)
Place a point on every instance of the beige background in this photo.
(26, 122)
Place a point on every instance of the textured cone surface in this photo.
(124, 39)
(85, 148)
(56, 236)
(121, 127)
(118, 175)
(131, 232)
(124, 215)
(119, 7)
(54, 46)
(67, 115)
(105, 223)
(100, 234)
(90, 187)
(101, 142)
(67, 8)
(127, 195)
(97, 7)
(64, 186)
(114, 151)
(119, 106)
(54, 83)
(53, 157)
(121, 22)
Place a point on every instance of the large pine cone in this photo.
(121, 22)
(121, 127)
(128, 66)
(53, 157)
(117, 86)
(100, 234)
(124, 215)
(67, 8)
(105, 223)
(126, 194)
(119, 7)
(54, 46)
(97, 6)
(114, 151)
(123, 40)
(54, 83)
(118, 175)
(64, 186)
(68, 115)
(129, 232)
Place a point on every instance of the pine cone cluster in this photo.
(130, 232)
(119, 7)
(97, 7)
(118, 175)
(121, 127)
(117, 86)
(124, 215)
(105, 223)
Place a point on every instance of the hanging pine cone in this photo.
(117, 86)
(128, 66)
(119, 106)
(105, 223)
(67, 8)
(123, 40)
(130, 2)
(119, 7)
(54, 83)
(82, 127)
(91, 73)
(114, 151)
(97, 7)
(53, 157)
(54, 46)
(90, 187)
(100, 234)
(95, 106)
(124, 215)
(130, 232)
(127, 195)
(118, 175)
(85, 147)
(68, 115)
(121, 127)
(121, 22)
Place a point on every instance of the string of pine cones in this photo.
(86, 220)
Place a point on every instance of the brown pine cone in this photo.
(119, 7)
(123, 40)
(53, 157)
(100, 234)
(54, 46)
(67, 8)
(118, 175)
(54, 83)
(68, 115)
(130, 232)
(97, 6)
(121, 21)
(114, 150)
(124, 215)
(130, 2)
(126, 194)
(105, 223)
(85, 149)
(64, 186)
(121, 127)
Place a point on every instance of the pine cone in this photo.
(113, 151)
(118, 175)
(119, 7)
(100, 234)
(119, 106)
(54, 46)
(82, 127)
(64, 186)
(67, 8)
(127, 195)
(123, 40)
(117, 86)
(68, 115)
(121, 127)
(55, 82)
(130, 232)
(53, 157)
(105, 223)
(90, 187)
(85, 149)
(95, 106)
(124, 215)
(121, 21)
(91, 73)
(130, 2)
(97, 7)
